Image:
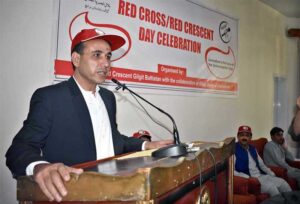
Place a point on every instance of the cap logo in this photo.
(142, 132)
(99, 32)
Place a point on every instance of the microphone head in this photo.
(115, 81)
(120, 85)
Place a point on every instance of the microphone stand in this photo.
(178, 149)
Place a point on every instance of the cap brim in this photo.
(244, 132)
(149, 137)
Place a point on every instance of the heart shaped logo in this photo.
(220, 63)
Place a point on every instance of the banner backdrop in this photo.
(172, 45)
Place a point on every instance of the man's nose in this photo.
(105, 63)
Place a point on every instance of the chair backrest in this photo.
(259, 145)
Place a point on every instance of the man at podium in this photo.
(73, 121)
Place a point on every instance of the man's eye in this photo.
(97, 55)
(108, 57)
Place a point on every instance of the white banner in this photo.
(170, 45)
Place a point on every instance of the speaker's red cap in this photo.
(115, 41)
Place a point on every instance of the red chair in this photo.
(279, 171)
(295, 164)
(247, 191)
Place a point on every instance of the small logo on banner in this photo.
(224, 31)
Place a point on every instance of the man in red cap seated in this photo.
(143, 135)
(248, 163)
(73, 121)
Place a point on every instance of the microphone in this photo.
(178, 149)
(119, 84)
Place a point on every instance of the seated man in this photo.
(276, 153)
(143, 135)
(249, 164)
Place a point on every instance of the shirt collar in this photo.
(85, 91)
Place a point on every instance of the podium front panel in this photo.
(148, 180)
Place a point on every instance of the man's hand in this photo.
(284, 145)
(158, 144)
(298, 102)
(51, 177)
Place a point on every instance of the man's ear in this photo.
(75, 57)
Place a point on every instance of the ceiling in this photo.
(289, 8)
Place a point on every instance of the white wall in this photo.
(26, 34)
(264, 51)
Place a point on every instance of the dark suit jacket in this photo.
(58, 128)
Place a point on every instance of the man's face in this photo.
(244, 138)
(278, 138)
(93, 65)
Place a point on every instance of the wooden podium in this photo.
(142, 179)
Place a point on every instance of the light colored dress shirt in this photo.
(276, 155)
(100, 121)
